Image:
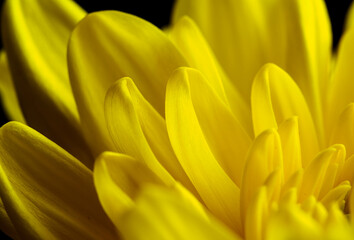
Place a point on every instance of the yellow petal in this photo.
(8, 92)
(349, 23)
(162, 213)
(118, 179)
(290, 142)
(340, 92)
(337, 225)
(218, 191)
(6, 225)
(275, 98)
(35, 35)
(138, 130)
(264, 157)
(337, 194)
(343, 130)
(315, 172)
(189, 40)
(121, 45)
(257, 215)
(294, 182)
(347, 171)
(47, 193)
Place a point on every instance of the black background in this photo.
(158, 12)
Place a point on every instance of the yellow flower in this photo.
(234, 123)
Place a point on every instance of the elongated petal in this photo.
(337, 194)
(118, 179)
(349, 23)
(8, 92)
(218, 191)
(35, 35)
(190, 41)
(121, 45)
(168, 214)
(47, 193)
(6, 225)
(264, 157)
(275, 98)
(340, 92)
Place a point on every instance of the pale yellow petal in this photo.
(46, 192)
(264, 157)
(118, 179)
(35, 35)
(162, 213)
(218, 191)
(8, 93)
(275, 98)
(190, 41)
(120, 45)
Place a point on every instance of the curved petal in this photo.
(120, 45)
(275, 98)
(162, 213)
(190, 41)
(8, 92)
(138, 130)
(218, 191)
(47, 193)
(6, 225)
(35, 35)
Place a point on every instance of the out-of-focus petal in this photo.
(336, 195)
(162, 213)
(6, 225)
(35, 35)
(46, 192)
(118, 179)
(138, 130)
(8, 92)
(349, 22)
(275, 98)
(190, 41)
(263, 158)
(120, 45)
(190, 143)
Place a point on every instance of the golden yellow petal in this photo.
(275, 98)
(186, 131)
(6, 225)
(35, 35)
(162, 213)
(121, 45)
(8, 93)
(48, 193)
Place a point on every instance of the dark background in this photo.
(158, 12)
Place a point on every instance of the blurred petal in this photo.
(190, 142)
(35, 35)
(189, 40)
(6, 225)
(47, 193)
(138, 130)
(275, 98)
(121, 45)
(162, 213)
(118, 179)
(337, 194)
(349, 23)
(263, 158)
(8, 92)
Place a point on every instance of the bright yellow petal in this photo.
(264, 157)
(47, 193)
(349, 23)
(347, 172)
(8, 92)
(35, 35)
(167, 214)
(118, 179)
(189, 40)
(121, 45)
(275, 98)
(218, 191)
(337, 194)
(337, 225)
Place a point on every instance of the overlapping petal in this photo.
(47, 193)
(121, 45)
(35, 35)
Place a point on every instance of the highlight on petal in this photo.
(35, 35)
(47, 193)
(161, 213)
(8, 93)
(275, 98)
(121, 45)
(192, 146)
(138, 130)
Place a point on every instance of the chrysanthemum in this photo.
(234, 123)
